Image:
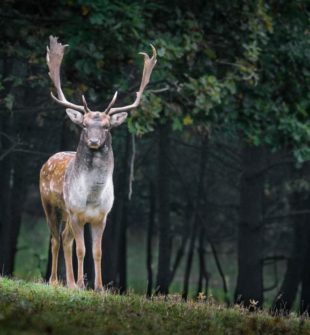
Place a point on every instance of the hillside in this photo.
(34, 308)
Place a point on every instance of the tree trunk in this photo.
(182, 248)
(305, 277)
(250, 237)
(285, 298)
(122, 240)
(122, 253)
(150, 229)
(108, 254)
(203, 280)
(6, 169)
(189, 259)
(5, 211)
(89, 270)
(305, 281)
(115, 236)
(196, 222)
(49, 262)
(9, 246)
(164, 250)
(221, 273)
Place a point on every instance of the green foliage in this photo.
(43, 310)
(9, 101)
(149, 113)
(248, 74)
(242, 88)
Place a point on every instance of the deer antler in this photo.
(111, 103)
(54, 58)
(149, 64)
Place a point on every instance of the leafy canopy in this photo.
(231, 66)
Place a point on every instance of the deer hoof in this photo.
(72, 285)
(53, 282)
(81, 285)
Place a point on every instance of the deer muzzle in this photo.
(93, 143)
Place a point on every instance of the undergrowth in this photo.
(36, 308)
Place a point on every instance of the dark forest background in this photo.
(219, 147)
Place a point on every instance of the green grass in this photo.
(34, 308)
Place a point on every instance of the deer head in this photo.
(96, 124)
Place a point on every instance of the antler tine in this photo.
(111, 103)
(54, 58)
(149, 64)
(86, 109)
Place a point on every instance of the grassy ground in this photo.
(29, 308)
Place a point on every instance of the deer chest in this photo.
(86, 194)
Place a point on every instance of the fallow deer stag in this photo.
(77, 187)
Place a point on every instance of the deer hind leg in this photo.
(52, 221)
(55, 243)
(78, 233)
(97, 232)
(67, 240)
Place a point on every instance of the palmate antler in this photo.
(149, 64)
(54, 56)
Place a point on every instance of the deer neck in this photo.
(97, 164)
(88, 182)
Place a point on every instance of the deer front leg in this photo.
(67, 240)
(97, 232)
(78, 232)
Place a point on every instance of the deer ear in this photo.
(75, 116)
(118, 119)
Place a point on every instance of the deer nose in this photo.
(93, 143)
